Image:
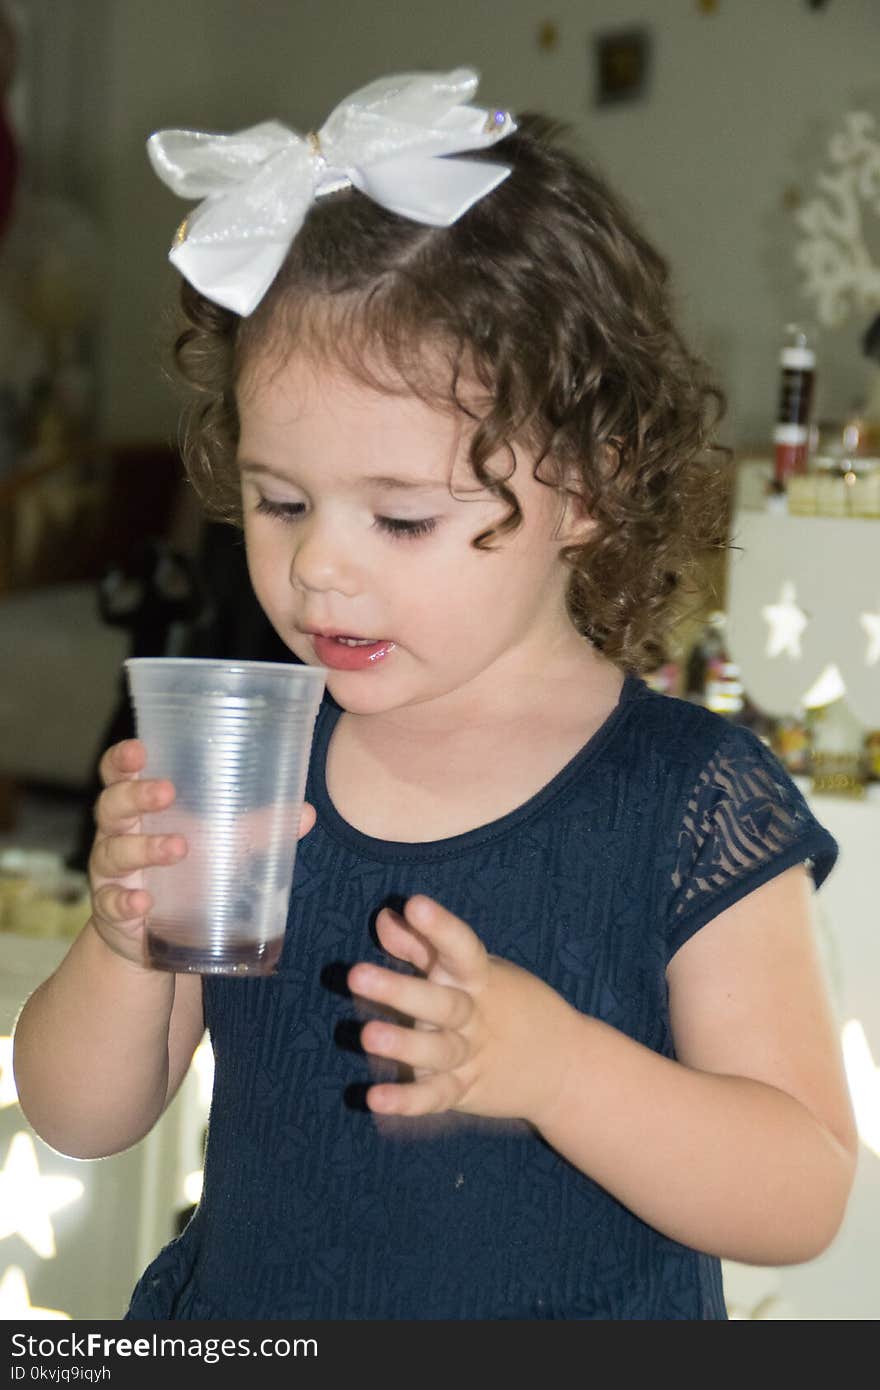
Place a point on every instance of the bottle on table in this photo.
(791, 433)
(711, 677)
(792, 743)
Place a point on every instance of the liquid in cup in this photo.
(234, 737)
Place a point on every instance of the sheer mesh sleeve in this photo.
(744, 822)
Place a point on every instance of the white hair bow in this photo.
(258, 185)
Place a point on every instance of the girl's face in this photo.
(350, 526)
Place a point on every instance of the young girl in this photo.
(549, 1036)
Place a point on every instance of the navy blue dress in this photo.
(313, 1208)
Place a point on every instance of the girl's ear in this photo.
(575, 523)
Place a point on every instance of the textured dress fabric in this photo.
(313, 1207)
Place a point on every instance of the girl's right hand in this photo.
(120, 852)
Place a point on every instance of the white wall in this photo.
(741, 108)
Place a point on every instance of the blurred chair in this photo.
(68, 519)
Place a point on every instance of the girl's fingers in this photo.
(121, 761)
(428, 1050)
(454, 946)
(124, 802)
(402, 940)
(430, 1096)
(114, 856)
(443, 1006)
(118, 906)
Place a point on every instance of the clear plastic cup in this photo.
(234, 737)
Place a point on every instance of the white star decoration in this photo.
(8, 1095)
(27, 1199)
(871, 624)
(15, 1300)
(787, 622)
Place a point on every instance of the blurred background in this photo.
(746, 136)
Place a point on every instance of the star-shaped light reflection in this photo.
(27, 1199)
(786, 621)
(871, 625)
(8, 1093)
(203, 1062)
(15, 1300)
(863, 1077)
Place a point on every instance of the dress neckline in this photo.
(370, 847)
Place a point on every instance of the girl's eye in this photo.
(287, 511)
(392, 526)
(396, 526)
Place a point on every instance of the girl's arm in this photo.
(744, 1147)
(101, 1047)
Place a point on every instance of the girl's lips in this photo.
(339, 657)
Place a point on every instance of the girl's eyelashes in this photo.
(392, 526)
(287, 511)
(396, 526)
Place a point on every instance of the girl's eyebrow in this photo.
(382, 480)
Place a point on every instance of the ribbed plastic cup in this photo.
(234, 737)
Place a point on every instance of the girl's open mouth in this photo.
(350, 653)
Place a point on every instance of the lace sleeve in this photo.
(744, 822)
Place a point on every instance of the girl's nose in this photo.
(322, 558)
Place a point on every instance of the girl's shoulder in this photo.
(719, 778)
(682, 731)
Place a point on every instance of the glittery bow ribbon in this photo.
(258, 184)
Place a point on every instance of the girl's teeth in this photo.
(356, 641)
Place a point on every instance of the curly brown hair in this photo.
(547, 293)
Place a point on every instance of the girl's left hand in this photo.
(489, 1038)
